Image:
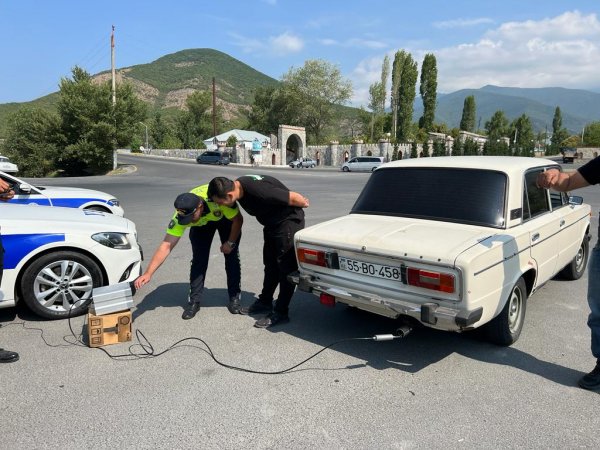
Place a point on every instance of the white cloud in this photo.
(354, 42)
(462, 23)
(559, 51)
(279, 45)
(286, 43)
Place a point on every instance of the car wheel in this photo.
(60, 284)
(576, 268)
(373, 169)
(312, 166)
(345, 169)
(505, 328)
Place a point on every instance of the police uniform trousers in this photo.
(201, 238)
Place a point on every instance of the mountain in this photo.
(166, 82)
(578, 107)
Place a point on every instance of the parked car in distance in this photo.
(568, 154)
(7, 166)
(213, 157)
(303, 163)
(456, 243)
(56, 256)
(67, 197)
(362, 164)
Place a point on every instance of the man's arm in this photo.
(561, 181)
(236, 229)
(298, 200)
(160, 255)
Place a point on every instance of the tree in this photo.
(592, 134)
(467, 122)
(457, 147)
(438, 149)
(414, 149)
(559, 133)
(406, 98)
(376, 94)
(271, 107)
(397, 68)
(159, 130)
(32, 140)
(523, 136)
(497, 126)
(470, 147)
(315, 88)
(231, 141)
(91, 127)
(428, 91)
(195, 124)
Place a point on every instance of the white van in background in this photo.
(362, 164)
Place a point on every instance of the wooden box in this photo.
(109, 328)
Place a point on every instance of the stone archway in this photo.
(318, 158)
(273, 159)
(346, 156)
(291, 142)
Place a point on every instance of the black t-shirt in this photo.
(591, 171)
(267, 199)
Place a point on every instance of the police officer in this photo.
(6, 193)
(280, 212)
(194, 210)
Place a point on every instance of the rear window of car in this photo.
(469, 196)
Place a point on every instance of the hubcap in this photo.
(62, 285)
(515, 309)
(579, 259)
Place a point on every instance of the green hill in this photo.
(166, 82)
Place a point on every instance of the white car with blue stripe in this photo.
(67, 197)
(54, 257)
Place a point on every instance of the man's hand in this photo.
(142, 280)
(550, 179)
(6, 193)
(226, 249)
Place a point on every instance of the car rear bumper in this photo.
(430, 314)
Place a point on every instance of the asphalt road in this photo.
(429, 390)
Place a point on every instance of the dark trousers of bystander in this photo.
(279, 260)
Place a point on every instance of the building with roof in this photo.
(244, 139)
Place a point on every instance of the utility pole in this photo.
(112, 66)
(114, 92)
(214, 107)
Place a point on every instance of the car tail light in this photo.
(327, 299)
(314, 257)
(438, 281)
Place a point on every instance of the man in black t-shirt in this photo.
(561, 181)
(280, 212)
(6, 193)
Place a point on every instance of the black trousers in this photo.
(1, 259)
(279, 259)
(201, 239)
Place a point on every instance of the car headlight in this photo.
(114, 202)
(112, 240)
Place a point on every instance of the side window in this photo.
(353, 160)
(537, 197)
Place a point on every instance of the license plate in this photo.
(373, 270)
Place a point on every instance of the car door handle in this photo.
(535, 237)
(562, 222)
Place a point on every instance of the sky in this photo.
(517, 43)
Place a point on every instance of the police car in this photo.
(54, 257)
(62, 196)
(7, 166)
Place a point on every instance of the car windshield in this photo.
(470, 196)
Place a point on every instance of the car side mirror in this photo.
(575, 200)
(24, 188)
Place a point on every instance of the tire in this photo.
(312, 166)
(373, 169)
(576, 268)
(44, 293)
(345, 169)
(505, 328)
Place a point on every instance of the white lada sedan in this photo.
(68, 197)
(54, 257)
(454, 242)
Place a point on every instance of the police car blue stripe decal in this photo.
(26, 201)
(17, 246)
(74, 202)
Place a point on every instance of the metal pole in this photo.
(214, 107)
